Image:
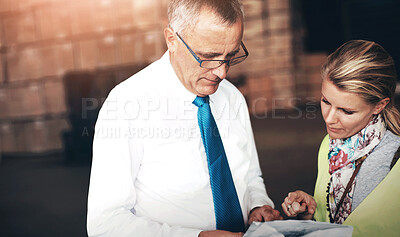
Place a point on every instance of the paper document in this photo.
(294, 228)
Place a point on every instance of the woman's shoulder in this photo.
(389, 141)
(323, 152)
(386, 149)
(324, 146)
(393, 140)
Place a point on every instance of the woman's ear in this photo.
(170, 39)
(381, 105)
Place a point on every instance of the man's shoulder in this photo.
(228, 96)
(226, 84)
(227, 89)
(140, 82)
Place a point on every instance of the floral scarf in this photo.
(342, 156)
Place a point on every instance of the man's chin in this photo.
(208, 90)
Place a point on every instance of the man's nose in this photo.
(221, 71)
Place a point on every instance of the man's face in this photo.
(210, 40)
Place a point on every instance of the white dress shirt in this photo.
(149, 173)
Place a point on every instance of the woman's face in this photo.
(344, 113)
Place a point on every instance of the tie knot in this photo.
(199, 101)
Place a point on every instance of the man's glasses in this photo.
(211, 64)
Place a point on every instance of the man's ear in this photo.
(381, 105)
(170, 39)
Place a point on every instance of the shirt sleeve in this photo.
(256, 187)
(115, 166)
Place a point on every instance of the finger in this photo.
(302, 196)
(255, 217)
(251, 220)
(285, 209)
(311, 209)
(267, 215)
(287, 200)
(309, 203)
(304, 207)
(291, 197)
(297, 208)
(298, 196)
(312, 205)
(277, 215)
(291, 209)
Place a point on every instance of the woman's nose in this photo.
(330, 117)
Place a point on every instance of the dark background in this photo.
(330, 23)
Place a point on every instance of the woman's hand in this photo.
(299, 203)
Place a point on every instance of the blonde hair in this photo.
(184, 14)
(365, 68)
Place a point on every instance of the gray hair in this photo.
(184, 14)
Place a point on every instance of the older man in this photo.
(174, 153)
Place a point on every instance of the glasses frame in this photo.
(221, 62)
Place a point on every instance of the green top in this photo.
(377, 215)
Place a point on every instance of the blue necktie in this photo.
(228, 213)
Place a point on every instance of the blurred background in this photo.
(60, 58)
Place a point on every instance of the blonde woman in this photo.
(358, 182)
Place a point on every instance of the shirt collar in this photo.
(173, 83)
